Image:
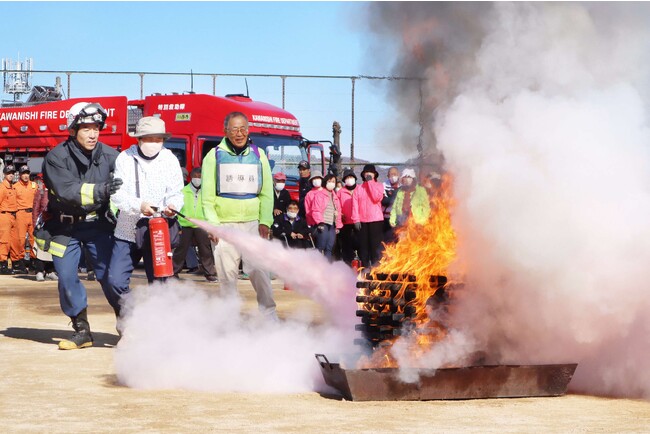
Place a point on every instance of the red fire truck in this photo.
(195, 121)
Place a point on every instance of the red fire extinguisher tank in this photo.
(161, 249)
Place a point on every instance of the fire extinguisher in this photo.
(161, 249)
(356, 262)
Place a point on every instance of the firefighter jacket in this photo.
(25, 192)
(220, 205)
(8, 197)
(366, 202)
(74, 179)
(420, 207)
(192, 206)
(157, 181)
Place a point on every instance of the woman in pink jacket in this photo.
(368, 216)
(323, 211)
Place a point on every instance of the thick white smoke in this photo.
(549, 145)
(177, 335)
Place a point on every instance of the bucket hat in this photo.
(150, 126)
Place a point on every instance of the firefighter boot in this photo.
(81, 338)
(4, 268)
(19, 267)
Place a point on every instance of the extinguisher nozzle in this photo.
(179, 213)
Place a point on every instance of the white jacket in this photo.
(160, 180)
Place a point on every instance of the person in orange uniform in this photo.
(25, 192)
(8, 209)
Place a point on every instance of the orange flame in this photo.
(421, 251)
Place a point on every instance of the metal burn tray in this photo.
(471, 382)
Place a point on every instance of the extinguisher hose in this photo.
(180, 214)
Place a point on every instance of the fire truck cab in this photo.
(195, 121)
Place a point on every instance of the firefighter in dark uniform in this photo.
(78, 176)
(304, 186)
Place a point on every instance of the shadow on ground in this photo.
(48, 336)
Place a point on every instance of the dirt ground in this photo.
(43, 389)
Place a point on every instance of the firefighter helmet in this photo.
(9, 168)
(86, 113)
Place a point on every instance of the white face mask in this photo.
(350, 182)
(407, 181)
(196, 182)
(393, 179)
(337, 189)
(330, 186)
(150, 149)
(292, 215)
(317, 182)
(279, 186)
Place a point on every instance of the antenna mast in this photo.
(17, 77)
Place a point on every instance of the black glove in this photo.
(105, 190)
(321, 227)
(114, 185)
(357, 226)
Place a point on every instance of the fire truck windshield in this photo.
(284, 154)
(178, 147)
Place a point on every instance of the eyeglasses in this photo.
(236, 130)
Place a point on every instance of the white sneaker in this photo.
(52, 276)
(40, 277)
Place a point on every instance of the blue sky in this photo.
(305, 38)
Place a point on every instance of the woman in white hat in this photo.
(153, 181)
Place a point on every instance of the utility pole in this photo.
(352, 129)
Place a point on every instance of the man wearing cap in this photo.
(153, 182)
(368, 216)
(25, 192)
(8, 208)
(238, 194)
(281, 196)
(304, 185)
(78, 174)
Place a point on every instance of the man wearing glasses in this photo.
(78, 176)
(238, 193)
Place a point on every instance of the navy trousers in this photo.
(325, 240)
(72, 293)
(119, 272)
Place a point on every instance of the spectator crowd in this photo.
(90, 208)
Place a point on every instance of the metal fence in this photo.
(354, 101)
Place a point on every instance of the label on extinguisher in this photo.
(160, 248)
